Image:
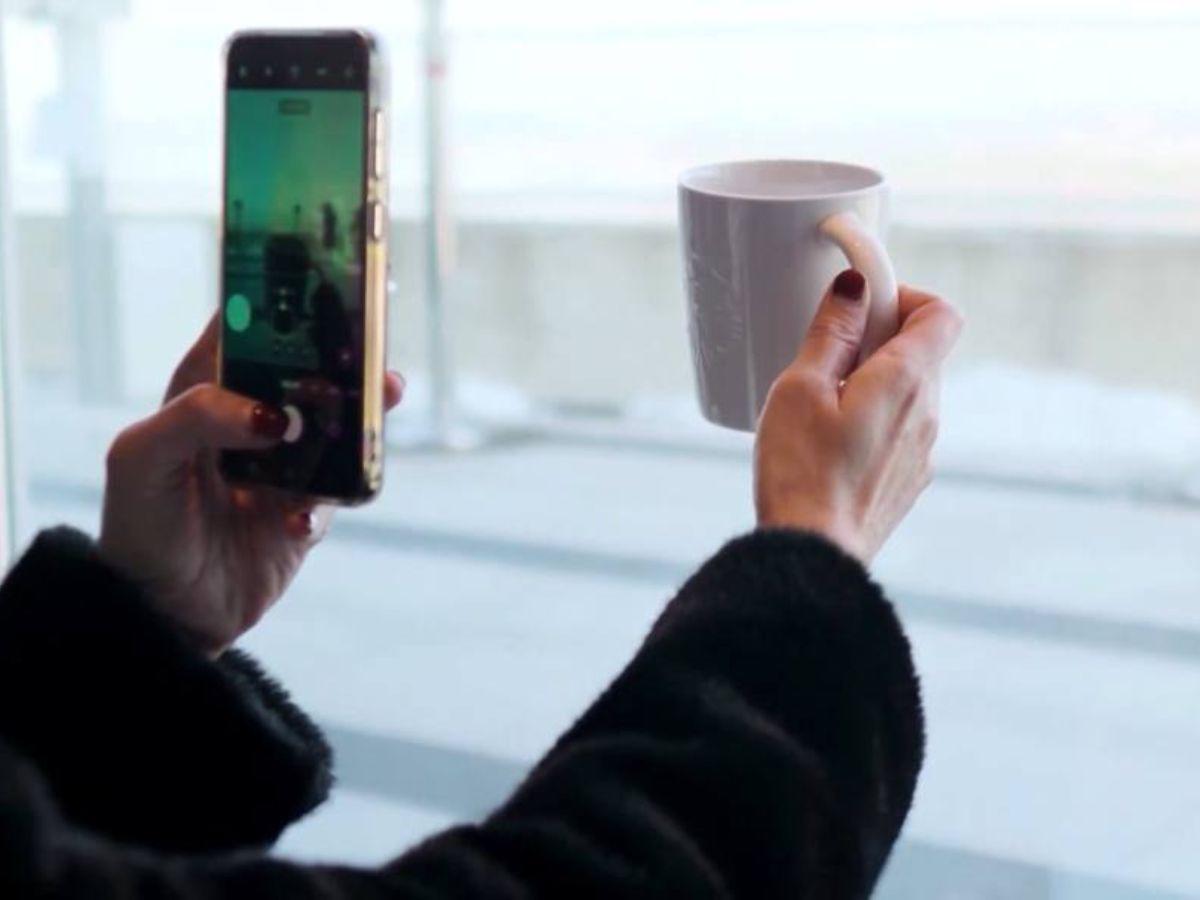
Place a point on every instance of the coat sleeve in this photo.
(138, 736)
(764, 743)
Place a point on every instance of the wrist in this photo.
(172, 609)
(840, 534)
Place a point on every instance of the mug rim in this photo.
(875, 179)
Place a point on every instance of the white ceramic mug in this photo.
(762, 241)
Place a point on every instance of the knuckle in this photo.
(935, 299)
(121, 449)
(192, 361)
(198, 399)
(190, 370)
(907, 373)
(795, 386)
(834, 327)
(949, 314)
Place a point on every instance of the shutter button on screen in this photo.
(295, 424)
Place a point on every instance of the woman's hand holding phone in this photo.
(213, 557)
(845, 451)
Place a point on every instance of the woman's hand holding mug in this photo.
(844, 451)
(212, 557)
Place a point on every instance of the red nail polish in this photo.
(267, 421)
(850, 285)
(301, 525)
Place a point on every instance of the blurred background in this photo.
(549, 489)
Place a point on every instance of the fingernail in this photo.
(301, 525)
(850, 285)
(267, 421)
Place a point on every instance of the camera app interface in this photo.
(293, 266)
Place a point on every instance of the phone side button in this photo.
(377, 216)
(379, 149)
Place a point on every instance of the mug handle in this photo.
(866, 252)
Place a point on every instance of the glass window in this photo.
(1045, 164)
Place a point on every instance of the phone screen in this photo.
(294, 253)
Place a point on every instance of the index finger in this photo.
(929, 329)
(198, 365)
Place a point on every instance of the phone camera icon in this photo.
(349, 72)
(294, 71)
(243, 71)
(322, 71)
(269, 71)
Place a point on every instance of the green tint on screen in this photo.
(293, 241)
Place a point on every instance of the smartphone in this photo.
(304, 256)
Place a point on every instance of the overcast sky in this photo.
(987, 108)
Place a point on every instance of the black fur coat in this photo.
(763, 743)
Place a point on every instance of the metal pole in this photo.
(12, 486)
(89, 235)
(437, 228)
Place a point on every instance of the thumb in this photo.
(205, 417)
(831, 346)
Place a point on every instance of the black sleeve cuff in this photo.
(139, 736)
(823, 654)
(817, 641)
